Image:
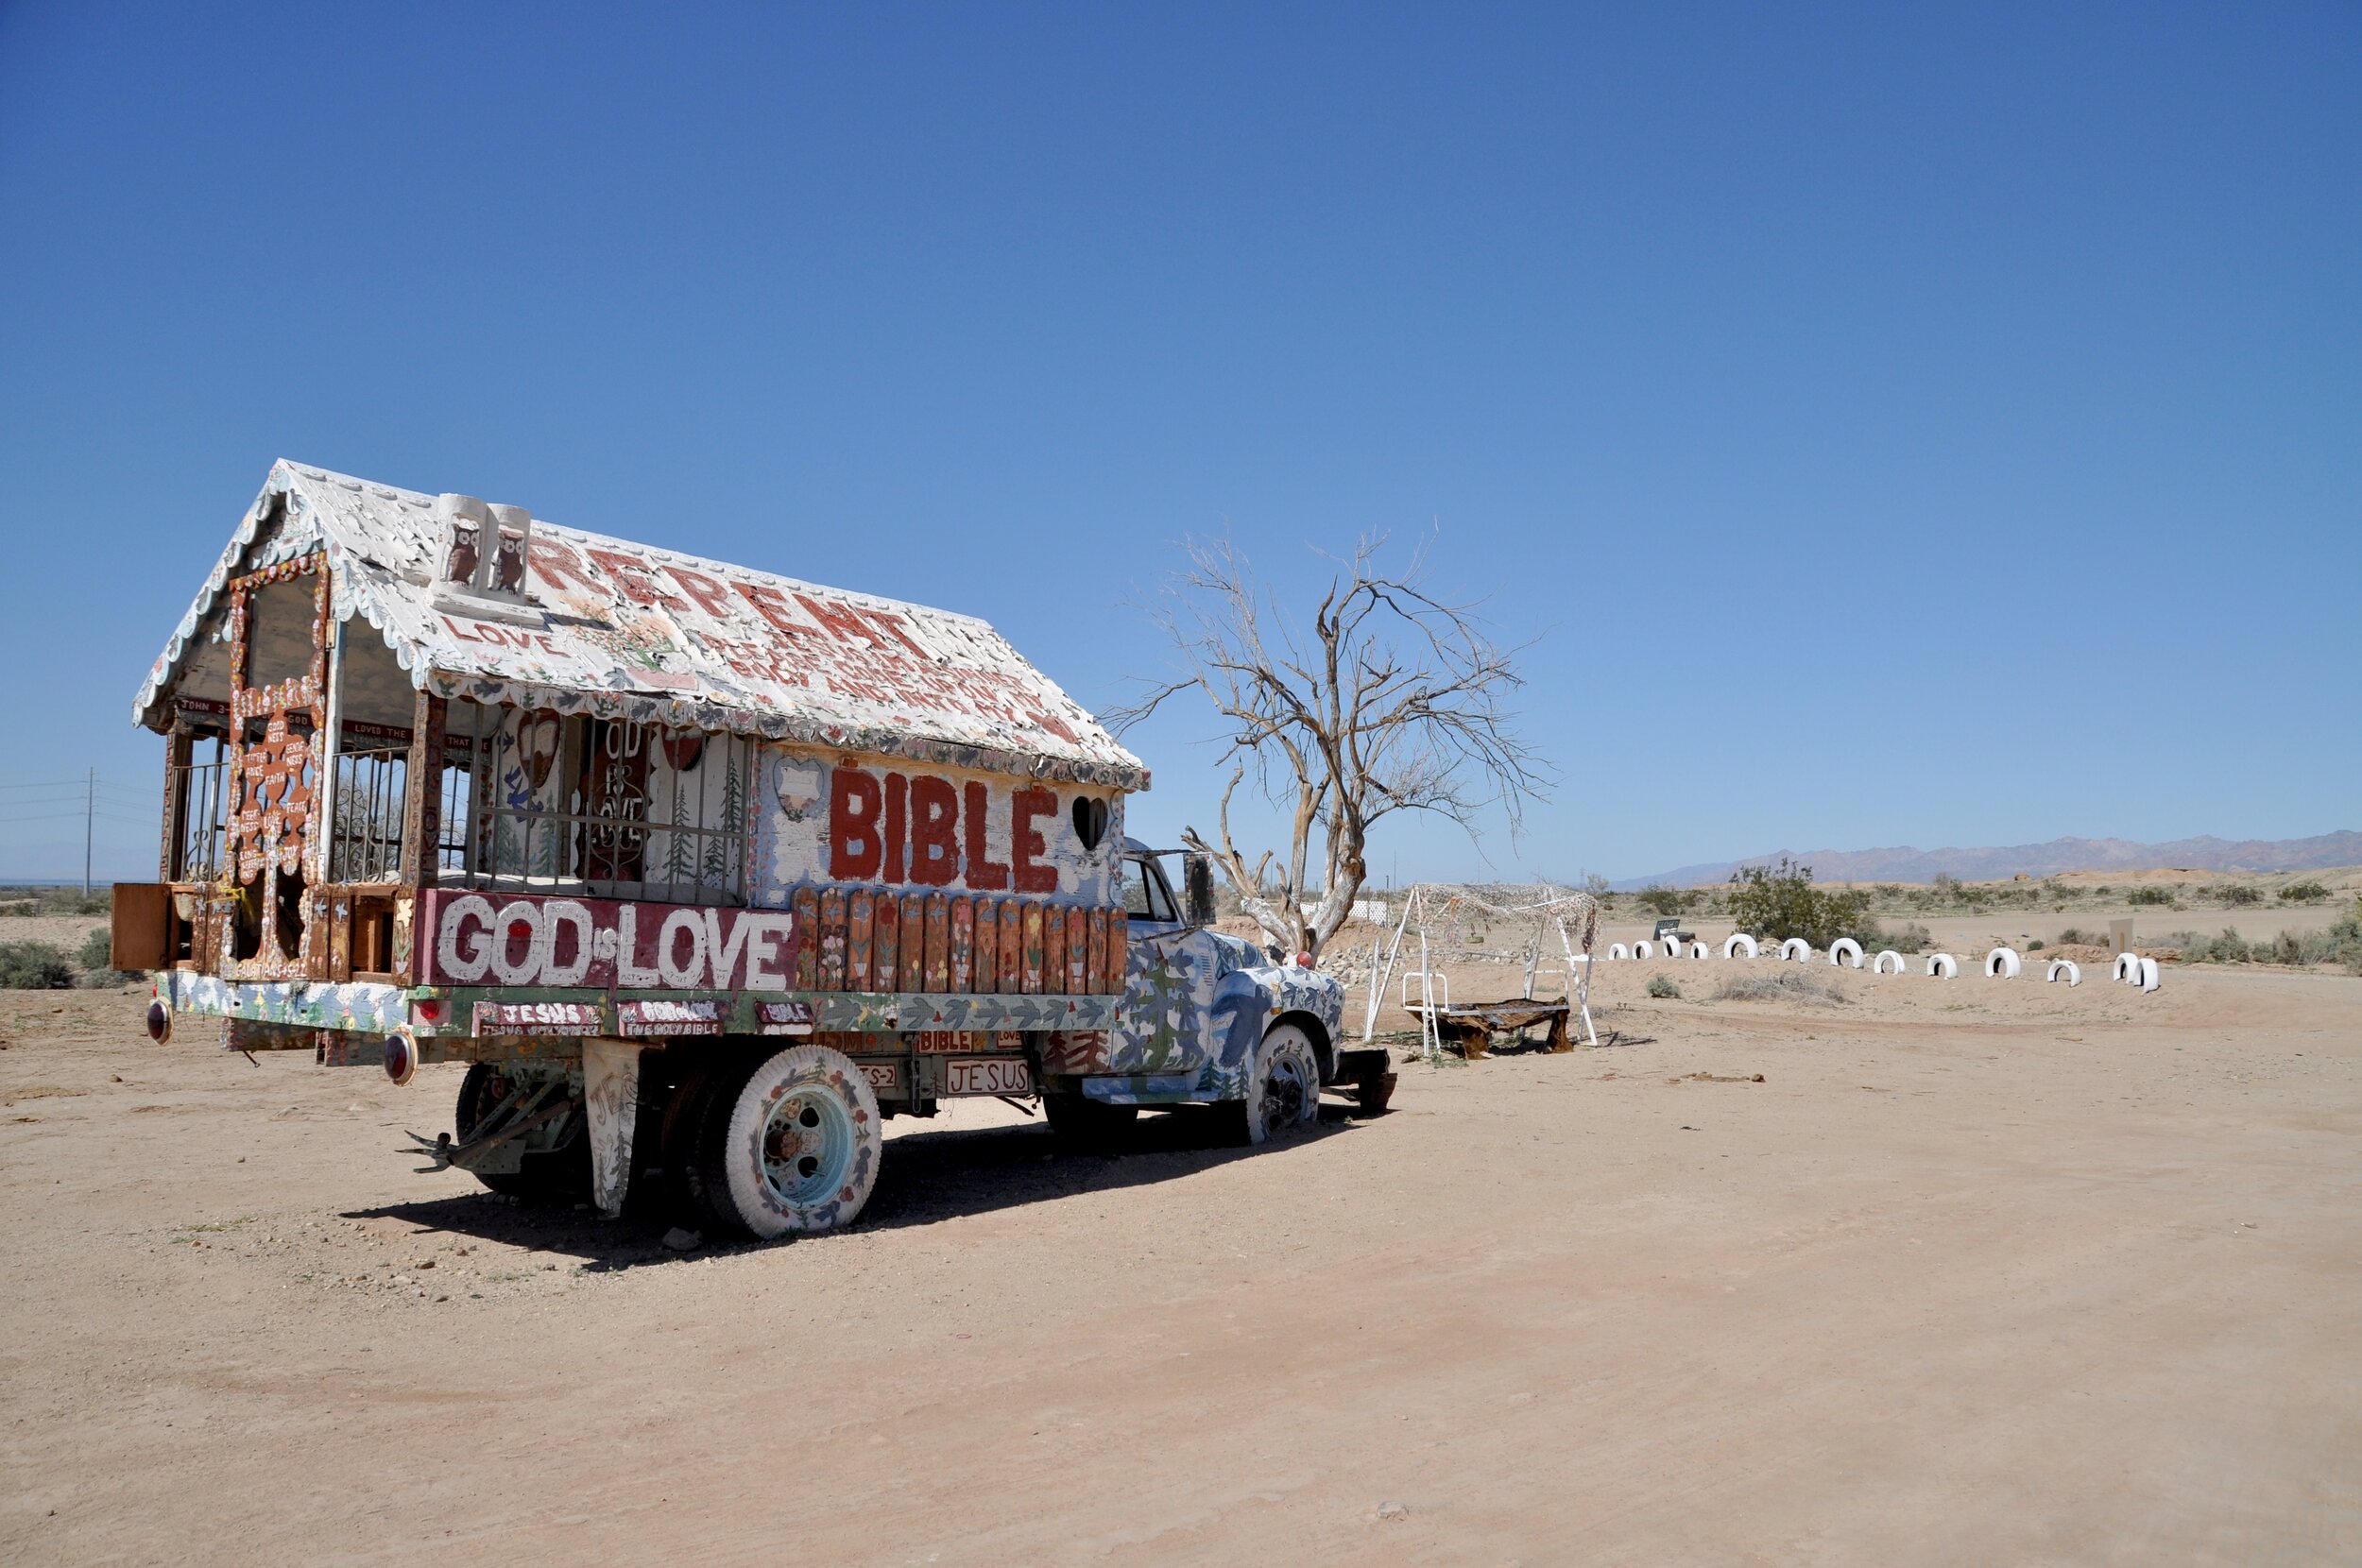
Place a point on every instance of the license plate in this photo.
(883, 1076)
(987, 1075)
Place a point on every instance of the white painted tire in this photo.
(2003, 963)
(1644, 949)
(2151, 978)
(1740, 944)
(1795, 950)
(800, 1153)
(1283, 1093)
(1845, 951)
(1943, 965)
(1878, 964)
(1617, 951)
(2066, 969)
(2128, 968)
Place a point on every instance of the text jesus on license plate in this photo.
(986, 1075)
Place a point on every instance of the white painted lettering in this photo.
(566, 912)
(762, 950)
(627, 971)
(461, 954)
(724, 953)
(519, 971)
(677, 972)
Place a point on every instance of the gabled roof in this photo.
(618, 629)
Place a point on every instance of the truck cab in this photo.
(1205, 1017)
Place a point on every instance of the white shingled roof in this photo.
(629, 630)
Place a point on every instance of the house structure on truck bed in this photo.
(700, 868)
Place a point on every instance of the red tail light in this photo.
(401, 1056)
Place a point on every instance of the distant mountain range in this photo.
(2038, 859)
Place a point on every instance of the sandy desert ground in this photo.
(1974, 1272)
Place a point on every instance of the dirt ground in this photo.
(1978, 1273)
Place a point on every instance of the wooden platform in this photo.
(1471, 1026)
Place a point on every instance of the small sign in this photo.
(987, 1075)
(885, 1076)
(562, 1019)
(644, 1019)
(783, 1018)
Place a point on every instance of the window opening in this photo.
(1145, 895)
(612, 808)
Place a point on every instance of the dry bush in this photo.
(1788, 984)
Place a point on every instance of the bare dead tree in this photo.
(1391, 703)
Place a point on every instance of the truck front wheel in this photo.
(791, 1149)
(1283, 1093)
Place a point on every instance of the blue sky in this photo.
(1891, 425)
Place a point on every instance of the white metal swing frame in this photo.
(1554, 908)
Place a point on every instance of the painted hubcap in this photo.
(807, 1145)
(1285, 1092)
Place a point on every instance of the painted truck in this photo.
(702, 870)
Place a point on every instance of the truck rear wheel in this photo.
(1283, 1093)
(559, 1173)
(1086, 1125)
(788, 1148)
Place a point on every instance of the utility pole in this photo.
(90, 814)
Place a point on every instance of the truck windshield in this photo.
(1145, 895)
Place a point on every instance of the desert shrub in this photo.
(2153, 896)
(2103, 892)
(2340, 943)
(1662, 988)
(1912, 937)
(1944, 886)
(2310, 891)
(2075, 936)
(34, 967)
(2239, 896)
(1790, 982)
(96, 960)
(1662, 900)
(1779, 903)
(2230, 947)
(53, 900)
(2035, 946)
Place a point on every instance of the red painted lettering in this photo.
(935, 831)
(1025, 840)
(897, 788)
(632, 577)
(841, 622)
(985, 874)
(893, 623)
(853, 824)
(772, 606)
(711, 595)
(555, 565)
